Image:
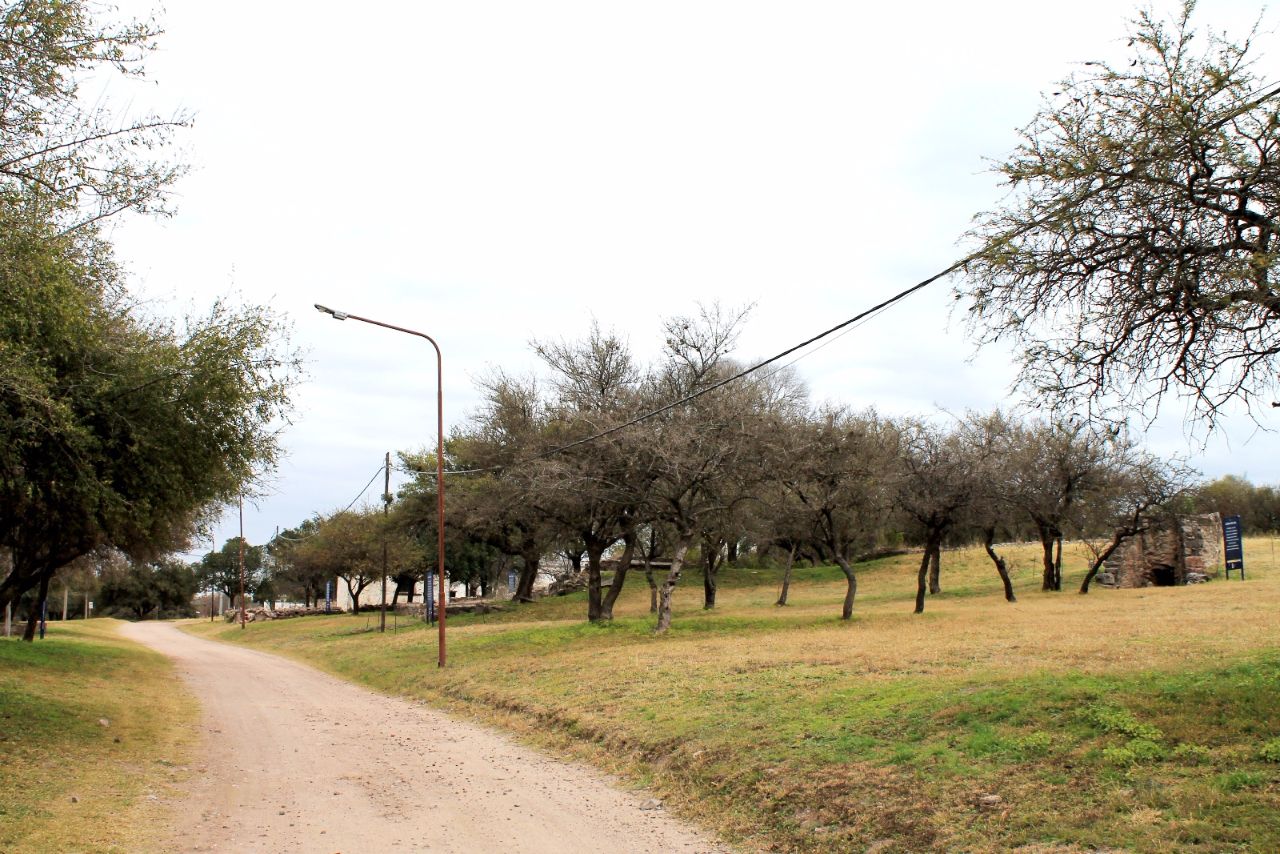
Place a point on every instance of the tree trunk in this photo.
(594, 608)
(712, 558)
(653, 584)
(846, 613)
(922, 576)
(1057, 562)
(786, 577)
(1002, 569)
(619, 577)
(528, 575)
(1046, 544)
(669, 585)
(29, 634)
(733, 553)
(1121, 535)
(935, 570)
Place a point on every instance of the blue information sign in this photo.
(429, 594)
(1233, 544)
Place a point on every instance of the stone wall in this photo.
(1186, 551)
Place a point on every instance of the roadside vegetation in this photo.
(1144, 720)
(69, 782)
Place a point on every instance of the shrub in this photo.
(1122, 721)
(1033, 744)
(1193, 754)
(1138, 750)
(1270, 752)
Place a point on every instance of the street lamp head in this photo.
(334, 313)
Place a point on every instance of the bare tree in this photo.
(993, 504)
(940, 475)
(1134, 258)
(1056, 468)
(697, 443)
(1141, 491)
(598, 491)
(842, 476)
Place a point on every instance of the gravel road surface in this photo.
(295, 760)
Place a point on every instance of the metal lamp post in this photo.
(342, 315)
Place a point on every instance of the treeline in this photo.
(561, 464)
(1257, 506)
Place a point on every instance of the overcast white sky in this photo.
(493, 172)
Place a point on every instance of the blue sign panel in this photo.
(1233, 544)
(430, 595)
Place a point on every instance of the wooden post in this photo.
(66, 595)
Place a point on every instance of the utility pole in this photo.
(213, 547)
(66, 597)
(386, 508)
(242, 615)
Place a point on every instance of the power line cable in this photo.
(359, 495)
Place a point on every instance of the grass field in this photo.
(1144, 720)
(68, 783)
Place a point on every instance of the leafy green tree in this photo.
(220, 570)
(160, 589)
(349, 545)
(118, 430)
(1135, 258)
(1231, 495)
(291, 574)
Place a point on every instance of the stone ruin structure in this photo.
(1186, 551)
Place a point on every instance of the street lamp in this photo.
(342, 315)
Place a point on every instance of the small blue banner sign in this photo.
(430, 595)
(1233, 544)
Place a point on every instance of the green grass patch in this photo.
(68, 782)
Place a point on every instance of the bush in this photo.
(1192, 754)
(1122, 721)
(1032, 744)
(1270, 752)
(1137, 751)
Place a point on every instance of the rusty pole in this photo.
(342, 315)
(242, 562)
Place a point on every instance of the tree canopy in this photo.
(77, 164)
(1134, 259)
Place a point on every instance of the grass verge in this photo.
(67, 782)
(1140, 720)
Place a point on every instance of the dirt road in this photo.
(296, 760)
